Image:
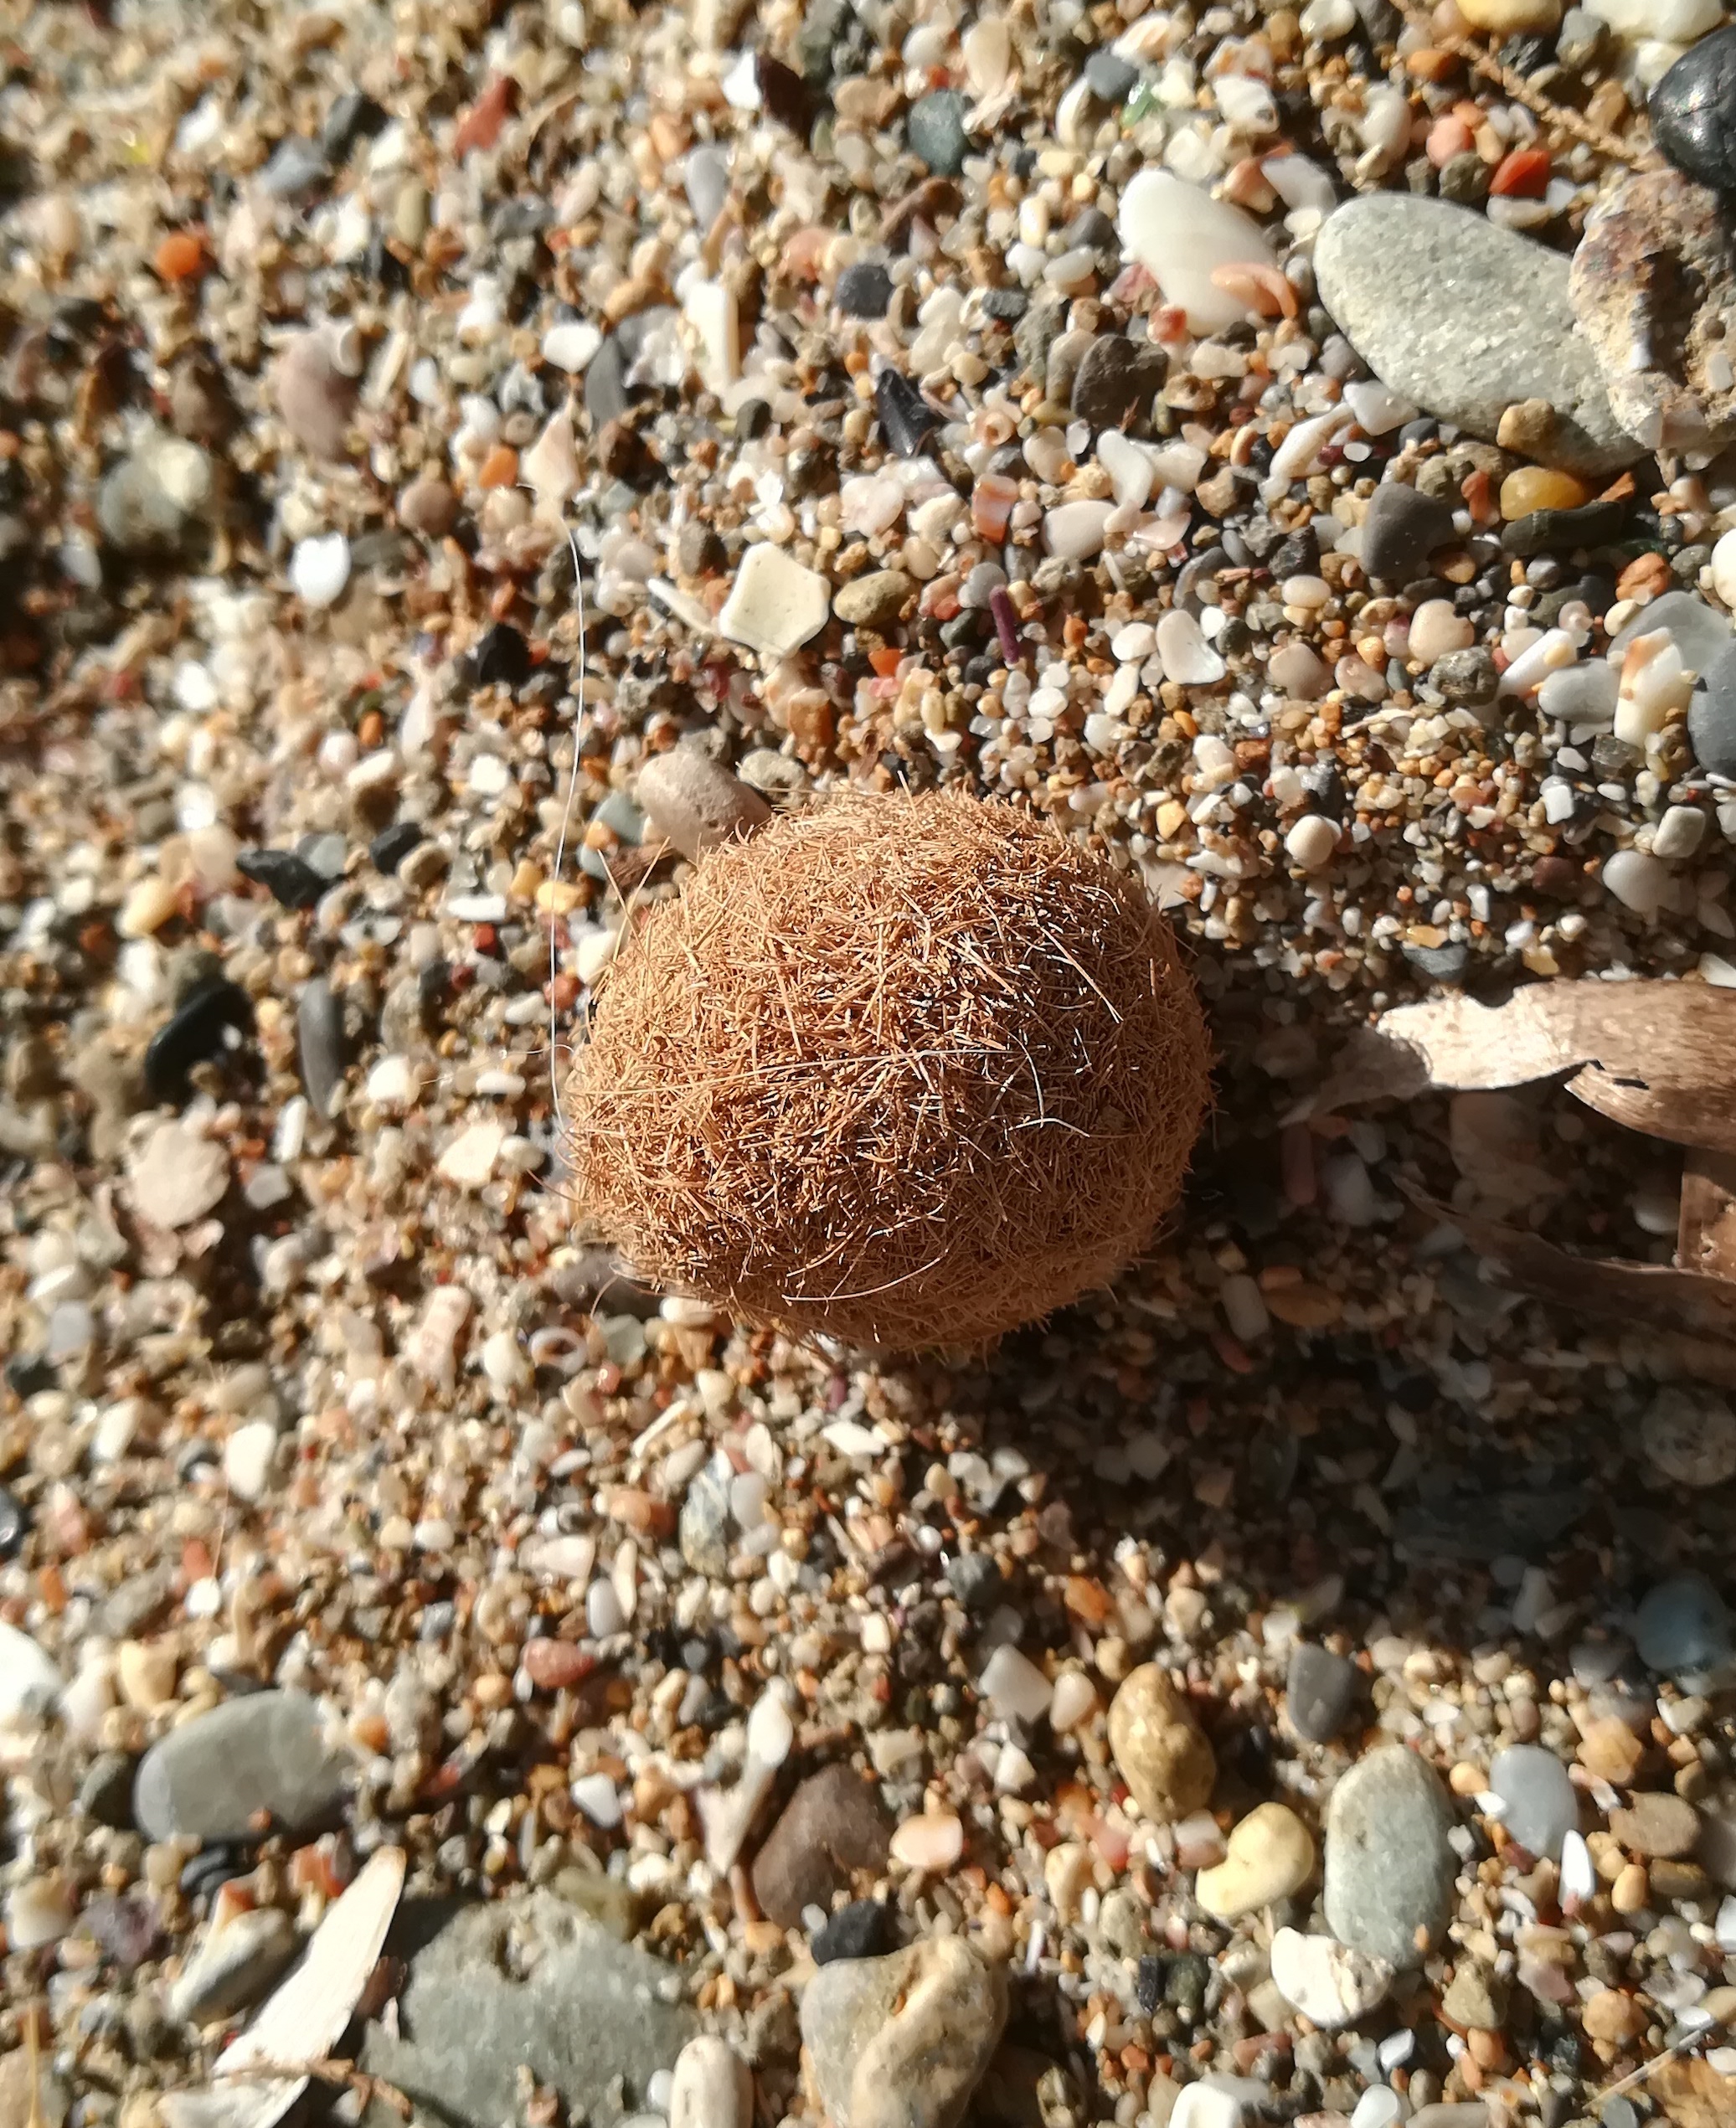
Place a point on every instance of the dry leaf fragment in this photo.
(1659, 1056)
(306, 2018)
(1693, 2094)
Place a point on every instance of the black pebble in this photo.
(905, 415)
(862, 1929)
(1402, 526)
(352, 116)
(1693, 111)
(1299, 555)
(1148, 1983)
(1110, 381)
(194, 1032)
(215, 1866)
(1110, 76)
(29, 1374)
(12, 1523)
(864, 289)
(106, 1792)
(1009, 305)
(392, 845)
(287, 878)
(502, 657)
(975, 1580)
(753, 417)
(783, 92)
(1319, 1691)
(1439, 963)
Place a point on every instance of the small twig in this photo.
(1484, 62)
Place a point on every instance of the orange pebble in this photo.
(181, 255)
(482, 123)
(1522, 175)
(500, 468)
(1448, 137)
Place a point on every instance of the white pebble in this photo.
(1012, 1684)
(1180, 234)
(1188, 659)
(248, 1455)
(775, 604)
(1244, 1309)
(1129, 465)
(1680, 832)
(1311, 842)
(1073, 531)
(570, 347)
(1073, 1701)
(595, 1794)
(319, 568)
(29, 1682)
(771, 1735)
(713, 2087)
(1638, 882)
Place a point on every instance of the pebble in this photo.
(932, 1842)
(1113, 382)
(1389, 1867)
(694, 802)
(1637, 881)
(711, 2086)
(1310, 843)
(1182, 236)
(1690, 1436)
(1187, 657)
(14, 1523)
(1269, 1856)
(1319, 1689)
(1160, 1749)
(1466, 318)
(1692, 109)
(1657, 1825)
(233, 1966)
(861, 1930)
(29, 1681)
(832, 1825)
(935, 130)
(774, 605)
(39, 1910)
(315, 396)
(863, 290)
(248, 1456)
(1112, 78)
(1436, 629)
(204, 1026)
(1700, 633)
(428, 506)
(321, 1047)
(875, 600)
(1682, 1625)
(1012, 1685)
(1712, 715)
(1542, 1805)
(905, 416)
(1331, 1984)
(1511, 18)
(1402, 528)
(902, 2041)
(147, 502)
(290, 880)
(1075, 531)
(319, 568)
(176, 1175)
(214, 1776)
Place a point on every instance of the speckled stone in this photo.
(1466, 318)
(1389, 1869)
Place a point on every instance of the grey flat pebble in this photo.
(1319, 1691)
(1466, 319)
(935, 131)
(1389, 1869)
(320, 1043)
(216, 1776)
(863, 290)
(1111, 77)
(1402, 528)
(1712, 715)
(1542, 1805)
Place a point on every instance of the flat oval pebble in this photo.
(1542, 1804)
(1389, 1867)
(1466, 318)
(1182, 236)
(1270, 1855)
(264, 1759)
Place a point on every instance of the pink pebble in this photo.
(1448, 137)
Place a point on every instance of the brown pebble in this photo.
(1160, 1749)
(428, 506)
(1630, 1891)
(1657, 1825)
(314, 396)
(833, 1826)
(1613, 2017)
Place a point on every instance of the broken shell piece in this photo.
(1653, 285)
(1654, 682)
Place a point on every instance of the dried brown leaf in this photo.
(1693, 2094)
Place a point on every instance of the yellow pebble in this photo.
(1535, 488)
(1631, 1890)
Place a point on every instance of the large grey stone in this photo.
(1466, 319)
(1389, 1869)
(252, 1764)
(525, 1982)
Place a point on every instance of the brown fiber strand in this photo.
(907, 1071)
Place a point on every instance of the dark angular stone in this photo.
(783, 93)
(1009, 305)
(1111, 380)
(975, 1580)
(1466, 676)
(106, 1793)
(502, 658)
(287, 878)
(862, 1929)
(1148, 1983)
(1319, 1691)
(392, 845)
(905, 415)
(1693, 111)
(199, 1029)
(1402, 528)
(1111, 77)
(1439, 963)
(863, 290)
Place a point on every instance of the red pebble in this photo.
(486, 116)
(553, 1665)
(1522, 175)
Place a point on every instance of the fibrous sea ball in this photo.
(907, 1071)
